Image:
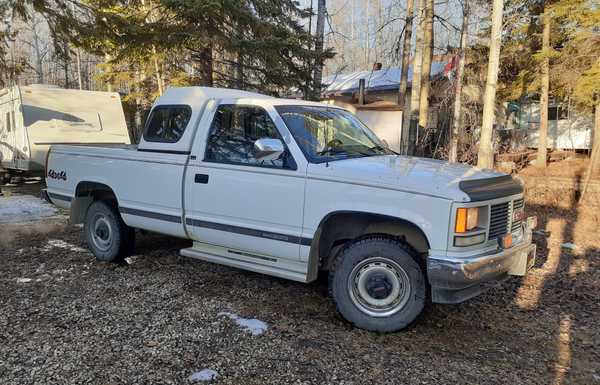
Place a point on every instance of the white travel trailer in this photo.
(33, 118)
(567, 129)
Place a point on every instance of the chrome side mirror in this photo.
(267, 149)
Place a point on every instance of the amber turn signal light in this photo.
(466, 219)
(507, 241)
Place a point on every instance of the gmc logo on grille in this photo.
(518, 215)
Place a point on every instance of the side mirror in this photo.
(266, 149)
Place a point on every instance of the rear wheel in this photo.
(377, 284)
(109, 238)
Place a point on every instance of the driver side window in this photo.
(233, 132)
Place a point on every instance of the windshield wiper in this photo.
(332, 151)
(381, 149)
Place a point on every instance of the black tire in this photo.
(369, 273)
(107, 236)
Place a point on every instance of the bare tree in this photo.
(39, 46)
(485, 158)
(545, 79)
(406, 52)
(460, 69)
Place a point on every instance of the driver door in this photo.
(237, 202)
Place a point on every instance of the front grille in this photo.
(499, 215)
(517, 205)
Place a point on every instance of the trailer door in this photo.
(7, 135)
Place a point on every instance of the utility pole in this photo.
(318, 71)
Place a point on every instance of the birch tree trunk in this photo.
(595, 162)
(406, 53)
(107, 59)
(426, 71)
(318, 71)
(594, 165)
(543, 131)
(460, 69)
(78, 57)
(411, 119)
(485, 158)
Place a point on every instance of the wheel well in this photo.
(339, 228)
(85, 194)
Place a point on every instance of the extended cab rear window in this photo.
(167, 124)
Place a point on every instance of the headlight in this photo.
(466, 219)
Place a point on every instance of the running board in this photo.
(282, 268)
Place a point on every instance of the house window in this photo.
(558, 113)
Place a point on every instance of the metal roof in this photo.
(381, 80)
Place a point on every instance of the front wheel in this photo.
(109, 238)
(377, 284)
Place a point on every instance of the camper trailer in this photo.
(567, 129)
(33, 118)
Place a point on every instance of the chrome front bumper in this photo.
(455, 280)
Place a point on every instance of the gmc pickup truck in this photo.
(291, 188)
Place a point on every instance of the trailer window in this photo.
(167, 123)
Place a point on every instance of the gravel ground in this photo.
(67, 319)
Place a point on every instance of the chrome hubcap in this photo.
(379, 287)
(102, 232)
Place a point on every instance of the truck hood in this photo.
(455, 181)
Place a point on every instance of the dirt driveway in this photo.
(67, 319)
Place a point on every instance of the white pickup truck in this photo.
(290, 188)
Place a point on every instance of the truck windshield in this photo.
(325, 134)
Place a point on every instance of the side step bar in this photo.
(283, 268)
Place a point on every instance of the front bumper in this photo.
(455, 280)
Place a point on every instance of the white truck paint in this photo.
(33, 118)
(301, 210)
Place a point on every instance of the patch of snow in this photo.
(40, 269)
(24, 280)
(63, 245)
(204, 375)
(569, 245)
(252, 325)
(130, 260)
(24, 208)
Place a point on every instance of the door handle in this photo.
(201, 178)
